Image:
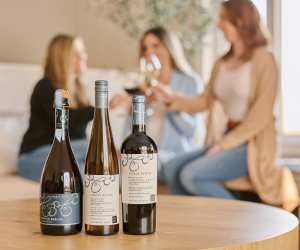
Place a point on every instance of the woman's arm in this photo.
(261, 111)
(120, 100)
(190, 104)
(81, 115)
(178, 102)
(182, 103)
(44, 97)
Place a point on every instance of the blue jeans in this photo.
(30, 165)
(196, 173)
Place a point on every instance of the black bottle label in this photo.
(139, 178)
(60, 209)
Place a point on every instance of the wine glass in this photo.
(151, 68)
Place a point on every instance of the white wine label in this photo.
(60, 209)
(139, 178)
(101, 200)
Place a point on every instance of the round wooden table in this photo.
(183, 223)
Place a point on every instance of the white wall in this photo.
(27, 26)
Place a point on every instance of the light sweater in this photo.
(275, 185)
(232, 89)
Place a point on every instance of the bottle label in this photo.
(60, 209)
(101, 199)
(139, 178)
(62, 123)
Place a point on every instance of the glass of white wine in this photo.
(150, 69)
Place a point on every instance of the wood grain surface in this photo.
(183, 223)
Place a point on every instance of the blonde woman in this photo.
(174, 132)
(241, 136)
(66, 60)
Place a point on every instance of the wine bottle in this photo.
(61, 183)
(101, 189)
(139, 175)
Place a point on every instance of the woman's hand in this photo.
(150, 97)
(163, 93)
(120, 100)
(214, 149)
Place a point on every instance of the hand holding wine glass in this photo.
(163, 93)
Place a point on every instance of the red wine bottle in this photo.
(139, 175)
(61, 184)
(101, 189)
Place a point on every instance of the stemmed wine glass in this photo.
(150, 69)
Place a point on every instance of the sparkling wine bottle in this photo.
(61, 184)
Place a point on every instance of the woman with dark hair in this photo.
(241, 136)
(66, 60)
(174, 132)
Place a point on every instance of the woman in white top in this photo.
(243, 87)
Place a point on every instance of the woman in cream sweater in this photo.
(241, 136)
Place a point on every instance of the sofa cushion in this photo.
(12, 129)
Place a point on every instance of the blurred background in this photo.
(111, 30)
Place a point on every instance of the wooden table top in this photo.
(183, 223)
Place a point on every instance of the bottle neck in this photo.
(138, 118)
(62, 124)
(101, 114)
(101, 100)
(101, 106)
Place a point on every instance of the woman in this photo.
(177, 74)
(65, 62)
(241, 136)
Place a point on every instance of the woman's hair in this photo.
(58, 67)
(245, 17)
(173, 45)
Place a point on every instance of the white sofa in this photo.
(16, 84)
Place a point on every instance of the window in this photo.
(282, 18)
(290, 66)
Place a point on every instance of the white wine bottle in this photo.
(139, 175)
(61, 184)
(101, 189)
